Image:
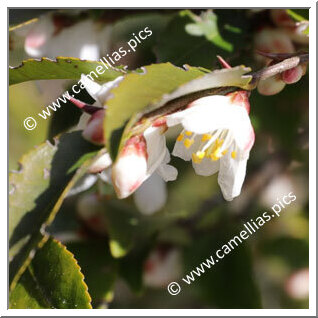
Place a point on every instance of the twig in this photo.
(280, 67)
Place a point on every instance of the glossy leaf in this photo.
(99, 268)
(37, 191)
(52, 280)
(61, 68)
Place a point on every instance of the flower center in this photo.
(213, 145)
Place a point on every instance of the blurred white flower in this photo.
(162, 267)
(297, 285)
(56, 35)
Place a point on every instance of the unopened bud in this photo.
(130, 169)
(271, 86)
(94, 132)
(293, 75)
(91, 211)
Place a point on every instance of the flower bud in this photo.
(94, 132)
(293, 75)
(91, 211)
(271, 86)
(130, 169)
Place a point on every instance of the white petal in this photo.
(83, 184)
(89, 51)
(82, 123)
(184, 153)
(103, 162)
(151, 196)
(106, 175)
(156, 148)
(231, 176)
(99, 92)
(215, 112)
(206, 167)
(167, 172)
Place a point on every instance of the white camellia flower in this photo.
(217, 136)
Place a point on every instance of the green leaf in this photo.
(165, 83)
(297, 15)
(61, 68)
(52, 280)
(37, 191)
(98, 267)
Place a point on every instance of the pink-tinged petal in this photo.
(241, 98)
(130, 169)
(94, 131)
(38, 37)
(271, 86)
(231, 176)
(151, 196)
(293, 75)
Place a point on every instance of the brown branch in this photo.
(279, 67)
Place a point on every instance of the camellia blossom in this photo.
(217, 136)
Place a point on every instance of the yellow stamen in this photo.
(206, 137)
(216, 154)
(196, 158)
(188, 143)
(233, 154)
(224, 152)
(188, 133)
(180, 137)
(200, 154)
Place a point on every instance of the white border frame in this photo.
(312, 164)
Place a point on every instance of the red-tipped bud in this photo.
(293, 75)
(130, 169)
(94, 132)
